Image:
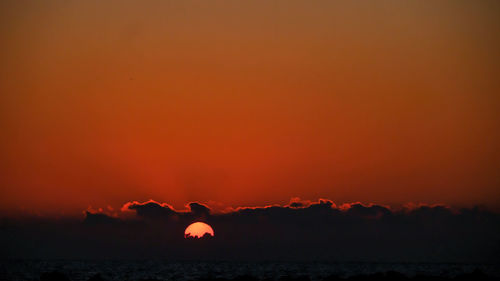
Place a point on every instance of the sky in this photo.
(248, 103)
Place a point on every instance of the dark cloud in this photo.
(296, 205)
(150, 209)
(98, 218)
(372, 211)
(163, 211)
(198, 209)
(301, 230)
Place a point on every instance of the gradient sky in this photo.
(248, 102)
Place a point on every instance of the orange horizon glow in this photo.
(248, 103)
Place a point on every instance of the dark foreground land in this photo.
(389, 276)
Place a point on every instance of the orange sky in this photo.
(248, 102)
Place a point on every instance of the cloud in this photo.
(98, 218)
(198, 209)
(370, 211)
(296, 202)
(150, 209)
(161, 211)
(299, 230)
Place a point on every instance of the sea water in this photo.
(82, 270)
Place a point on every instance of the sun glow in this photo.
(198, 230)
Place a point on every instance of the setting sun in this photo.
(198, 230)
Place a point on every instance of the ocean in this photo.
(82, 270)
